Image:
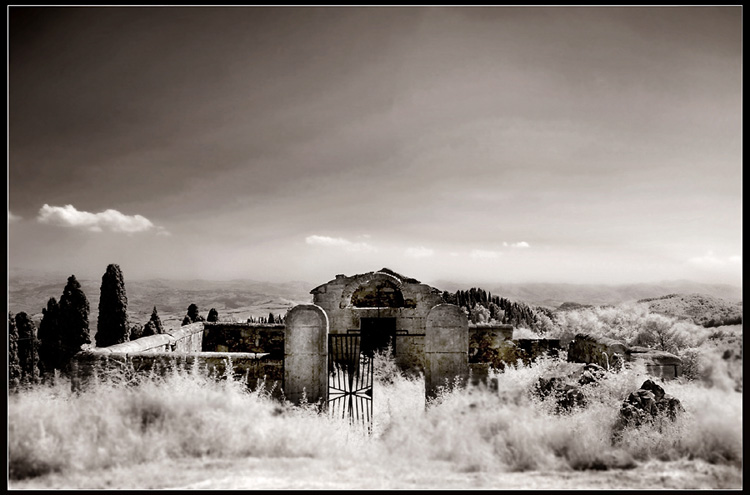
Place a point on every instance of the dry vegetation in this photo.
(121, 423)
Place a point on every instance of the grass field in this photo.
(189, 431)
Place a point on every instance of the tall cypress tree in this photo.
(74, 320)
(112, 326)
(193, 315)
(213, 315)
(28, 348)
(14, 368)
(49, 338)
(154, 325)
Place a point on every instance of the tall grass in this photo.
(120, 423)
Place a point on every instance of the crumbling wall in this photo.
(244, 337)
(608, 352)
(251, 368)
(188, 338)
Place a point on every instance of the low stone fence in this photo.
(255, 369)
(188, 338)
(607, 352)
(244, 337)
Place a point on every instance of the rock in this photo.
(566, 394)
(591, 373)
(645, 406)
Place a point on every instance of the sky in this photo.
(471, 144)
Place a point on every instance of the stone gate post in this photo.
(446, 347)
(306, 353)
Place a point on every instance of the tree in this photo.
(213, 315)
(14, 368)
(192, 315)
(154, 325)
(28, 348)
(49, 338)
(112, 327)
(271, 319)
(137, 331)
(74, 320)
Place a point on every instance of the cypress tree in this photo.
(74, 320)
(213, 315)
(270, 318)
(112, 326)
(154, 325)
(137, 331)
(14, 368)
(49, 338)
(28, 348)
(192, 315)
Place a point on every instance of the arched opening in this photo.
(383, 294)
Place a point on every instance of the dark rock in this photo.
(645, 406)
(566, 394)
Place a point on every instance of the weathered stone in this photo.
(306, 354)
(598, 350)
(446, 347)
(645, 406)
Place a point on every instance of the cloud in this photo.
(13, 218)
(522, 244)
(710, 259)
(419, 252)
(107, 220)
(483, 254)
(339, 242)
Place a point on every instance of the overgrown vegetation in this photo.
(124, 420)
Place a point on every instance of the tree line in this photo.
(483, 307)
(36, 354)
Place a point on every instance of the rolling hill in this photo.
(700, 308)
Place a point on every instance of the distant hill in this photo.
(240, 299)
(701, 309)
(552, 295)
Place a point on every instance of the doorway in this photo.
(377, 333)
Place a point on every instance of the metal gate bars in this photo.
(350, 376)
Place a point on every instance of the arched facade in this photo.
(385, 308)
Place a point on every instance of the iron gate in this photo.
(350, 377)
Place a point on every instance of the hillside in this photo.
(700, 308)
(240, 299)
(552, 295)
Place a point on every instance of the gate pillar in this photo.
(306, 353)
(446, 347)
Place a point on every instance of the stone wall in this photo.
(244, 337)
(253, 369)
(607, 352)
(485, 341)
(188, 338)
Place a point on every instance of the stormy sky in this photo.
(484, 144)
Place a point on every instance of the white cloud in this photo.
(419, 252)
(12, 217)
(710, 259)
(522, 244)
(484, 254)
(109, 220)
(339, 242)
